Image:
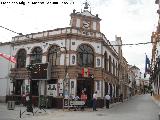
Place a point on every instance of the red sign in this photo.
(8, 57)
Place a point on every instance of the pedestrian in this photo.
(94, 101)
(151, 91)
(83, 98)
(107, 97)
(121, 97)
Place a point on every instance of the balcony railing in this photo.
(18, 73)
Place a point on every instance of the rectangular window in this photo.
(94, 25)
(78, 23)
(73, 43)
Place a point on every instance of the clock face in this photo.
(86, 24)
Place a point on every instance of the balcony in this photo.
(18, 73)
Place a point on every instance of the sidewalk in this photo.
(127, 110)
(156, 99)
(6, 114)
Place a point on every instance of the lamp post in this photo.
(30, 68)
(66, 81)
(29, 103)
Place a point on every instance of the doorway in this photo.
(86, 84)
(17, 87)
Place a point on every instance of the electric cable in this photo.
(126, 44)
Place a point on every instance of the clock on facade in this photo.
(86, 24)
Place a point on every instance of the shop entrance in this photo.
(88, 86)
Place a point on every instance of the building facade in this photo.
(155, 62)
(79, 57)
(132, 81)
(138, 79)
(5, 66)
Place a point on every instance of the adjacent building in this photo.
(5, 66)
(137, 82)
(132, 81)
(155, 62)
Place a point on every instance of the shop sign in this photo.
(52, 90)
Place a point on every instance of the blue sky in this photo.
(133, 20)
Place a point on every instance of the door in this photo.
(88, 86)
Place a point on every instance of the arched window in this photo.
(53, 55)
(105, 62)
(110, 64)
(21, 58)
(36, 55)
(98, 62)
(114, 67)
(85, 56)
(73, 59)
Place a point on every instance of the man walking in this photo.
(152, 92)
(94, 101)
(107, 97)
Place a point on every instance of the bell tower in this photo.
(85, 20)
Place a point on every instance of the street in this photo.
(139, 107)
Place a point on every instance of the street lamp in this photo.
(30, 68)
(66, 85)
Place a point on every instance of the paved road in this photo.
(137, 108)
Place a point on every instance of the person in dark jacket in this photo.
(121, 97)
(94, 101)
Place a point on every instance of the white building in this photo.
(80, 58)
(155, 61)
(5, 66)
(132, 81)
(137, 73)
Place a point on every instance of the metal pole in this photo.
(20, 113)
(65, 79)
(29, 105)
(66, 73)
(30, 95)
